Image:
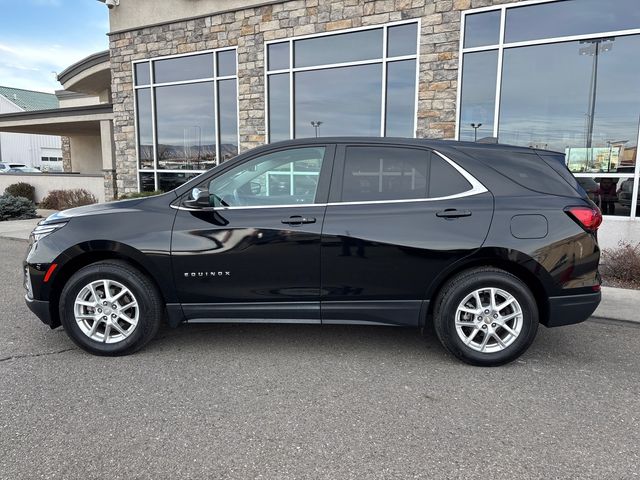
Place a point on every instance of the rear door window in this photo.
(384, 173)
(398, 173)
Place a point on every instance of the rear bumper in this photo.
(40, 308)
(570, 309)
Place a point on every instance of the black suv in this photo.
(485, 241)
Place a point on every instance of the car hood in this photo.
(96, 208)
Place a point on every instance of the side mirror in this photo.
(199, 199)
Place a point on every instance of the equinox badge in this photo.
(207, 274)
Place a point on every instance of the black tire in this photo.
(463, 284)
(151, 307)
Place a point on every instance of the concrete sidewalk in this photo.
(20, 229)
(617, 303)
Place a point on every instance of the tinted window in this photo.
(384, 173)
(482, 29)
(183, 68)
(287, 177)
(346, 47)
(570, 17)
(524, 168)
(444, 180)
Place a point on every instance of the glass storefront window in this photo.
(187, 118)
(402, 40)
(185, 136)
(278, 54)
(180, 69)
(339, 48)
(278, 115)
(344, 99)
(373, 95)
(570, 17)
(401, 98)
(478, 94)
(482, 29)
(577, 96)
(142, 73)
(145, 128)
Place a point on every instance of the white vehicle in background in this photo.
(6, 166)
(23, 169)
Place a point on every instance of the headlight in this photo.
(42, 231)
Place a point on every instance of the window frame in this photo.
(335, 194)
(384, 61)
(151, 86)
(501, 46)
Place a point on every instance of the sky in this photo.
(38, 37)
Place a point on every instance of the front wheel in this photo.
(110, 308)
(486, 317)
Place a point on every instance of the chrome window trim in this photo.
(476, 189)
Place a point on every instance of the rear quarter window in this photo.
(444, 180)
(526, 169)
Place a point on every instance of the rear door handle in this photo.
(298, 220)
(453, 213)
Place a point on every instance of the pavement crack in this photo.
(30, 355)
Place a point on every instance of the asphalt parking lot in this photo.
(284, 402)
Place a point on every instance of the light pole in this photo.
(475, 127)
(316, 124)
(593, 48)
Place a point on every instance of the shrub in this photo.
(16, 208)
(63, 199)
(128, 196)
(622, 263)
(21, 189)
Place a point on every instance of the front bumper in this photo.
(41, 310)
(570, 309)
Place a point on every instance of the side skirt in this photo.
(407, 313)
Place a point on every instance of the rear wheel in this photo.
(486, 317)
(110, 308)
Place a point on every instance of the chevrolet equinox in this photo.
(484, 241)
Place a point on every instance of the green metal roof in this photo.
(29, 100)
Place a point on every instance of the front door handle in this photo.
(298, 220)
(453, 213)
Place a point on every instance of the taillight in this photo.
(588, 218)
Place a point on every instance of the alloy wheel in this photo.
(488, 320)
(106, 311)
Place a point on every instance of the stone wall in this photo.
(248, 29)
(66, 154)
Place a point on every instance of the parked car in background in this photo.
(5, 167)
(625, 193)
(23, 169)
(483, 241)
